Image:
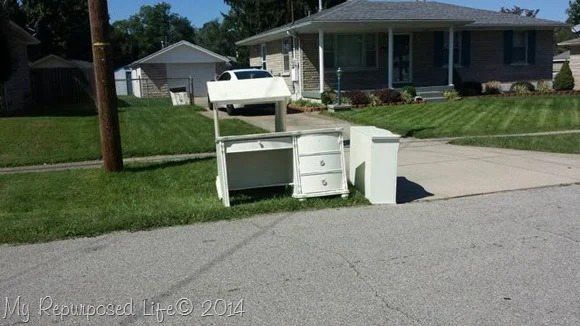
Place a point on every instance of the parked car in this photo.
(242, 74)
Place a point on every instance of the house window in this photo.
(457, 47)
(286, 50)
(263, 54)
(350, 51)
(520, 48)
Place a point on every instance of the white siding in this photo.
(178, 76)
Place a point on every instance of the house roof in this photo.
(564, 56)
(217, 57)
(369, 11)
(22, 35)
(573, 42)
(54, 61)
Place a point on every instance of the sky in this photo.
(201, 11)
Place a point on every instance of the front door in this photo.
(402, 63)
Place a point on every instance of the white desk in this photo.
(311, 161)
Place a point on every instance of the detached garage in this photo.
(182, 64)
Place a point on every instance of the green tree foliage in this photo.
(215, 36)
(573, 12)
(521, 11)
(148, 30)
(249, 17)
(62, 26)
(564, 79)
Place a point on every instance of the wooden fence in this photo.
(61, 86)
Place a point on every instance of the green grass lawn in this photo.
(568, 143)
(148, 127)
(56, 205)
(473, 117)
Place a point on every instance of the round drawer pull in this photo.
(324, 183)
(322, 163)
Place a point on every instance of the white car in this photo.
(241, 74)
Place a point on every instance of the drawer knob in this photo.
(322, 163)
(324, 183)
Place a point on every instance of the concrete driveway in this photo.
(502, 259)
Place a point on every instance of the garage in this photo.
(182, 64)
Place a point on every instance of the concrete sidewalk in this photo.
(503, 259)
(436, 170)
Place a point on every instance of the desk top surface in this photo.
(279, 135)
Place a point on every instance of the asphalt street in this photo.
(509, 258)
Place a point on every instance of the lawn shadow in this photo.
(409, 191)
(154, 166)
(56, 110)
(412, 132)
(254, 196)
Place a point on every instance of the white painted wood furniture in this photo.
(311, 161)
(373, 163)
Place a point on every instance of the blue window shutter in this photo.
(508, 43)
(438, 49)
(466, 49)
(532, 47)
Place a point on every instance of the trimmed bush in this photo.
(520, 89)
(328, 97)
(471, 89)
(411, 90)
(522, 84)
(452, 95)
(492, 88)
(407, 97)
(564, 79)
(387, 96)
(544, 87)
(358, 98)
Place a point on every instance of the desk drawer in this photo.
(318, 143)
(321, 183)
(259, 145)
(320, 163)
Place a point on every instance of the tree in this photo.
(521, 11)
(214, 36)
(573, 12)
(564, 80)
(61, 26)
(149, 30)
(248, 17)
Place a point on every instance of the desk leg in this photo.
(280, 122)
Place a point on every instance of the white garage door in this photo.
(178, 75)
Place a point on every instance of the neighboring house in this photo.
(365, 38)
(559, 61)
(171, 67)
(17, 89)
(574, 46)
(58, 80)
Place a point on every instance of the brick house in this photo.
(388, 44)
(17, 90)
(574, 59)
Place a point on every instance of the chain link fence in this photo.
(155, 88)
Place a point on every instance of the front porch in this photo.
(378, 59)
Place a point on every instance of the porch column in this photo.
(451, 54)
(321, 58)
(391, 55)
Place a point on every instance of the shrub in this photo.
(306, 104)
(471, 89)
(520, 89)
(544, 87)
(407, 97)
(452, 95)
(523, 84)
(328, 97)
(375, 100)
(411, 90)
(358, 98)
(387, 96)
(492, 88)
(564, 79)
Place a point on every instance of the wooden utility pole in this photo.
(105, 84)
